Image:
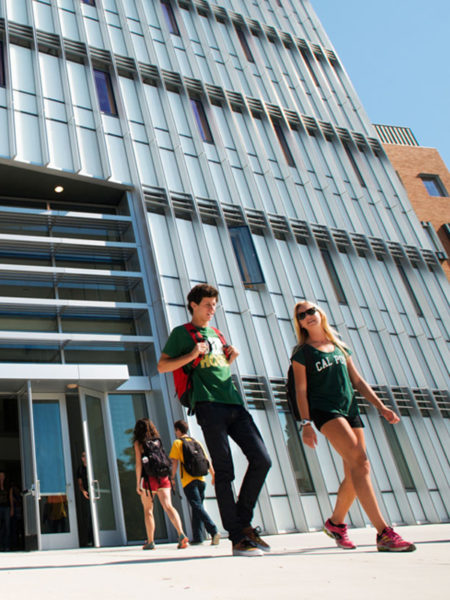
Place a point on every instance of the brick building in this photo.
(427, 182)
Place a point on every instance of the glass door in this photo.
(30, 483)
(54, 488)
(108, 528)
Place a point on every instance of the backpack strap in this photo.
(197, 337)
(221, 337)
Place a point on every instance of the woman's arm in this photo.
(365, 390)
(138, 466)
(309, 436)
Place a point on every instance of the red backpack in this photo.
(183, 380)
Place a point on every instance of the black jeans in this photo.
(218, 421)
(195, 493)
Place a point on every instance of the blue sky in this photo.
(397, 54)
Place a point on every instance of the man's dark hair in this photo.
(200, 291)
(181, 426)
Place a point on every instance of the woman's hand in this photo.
(390, 416)
(139, 490)
(309, 436)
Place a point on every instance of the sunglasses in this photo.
(309, 311)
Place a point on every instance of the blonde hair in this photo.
(330, 333)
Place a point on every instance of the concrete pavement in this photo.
(306, 566)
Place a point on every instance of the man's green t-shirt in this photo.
(212, 376)
(329, 387)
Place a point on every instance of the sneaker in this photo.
(253, 535)
(183, 541)
(339, 534)
(215, 539)
(389, 541)
(246, 548)
(149, 546)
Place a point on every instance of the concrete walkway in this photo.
(306, 566)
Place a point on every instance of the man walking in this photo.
(221, 414)
(193, 487)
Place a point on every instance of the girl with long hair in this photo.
(146, 488)
(325, 376)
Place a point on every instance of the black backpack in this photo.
(155, 462)
(290, 384)
(194, 459)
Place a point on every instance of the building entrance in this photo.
(65, 443)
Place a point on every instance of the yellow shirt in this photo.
(176, 452)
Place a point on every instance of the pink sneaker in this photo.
(389, 541)
(339, 534)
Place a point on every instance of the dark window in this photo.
(399, 457)
(410, 290)
(352, 160)
(307, 60)
(283, 143)
(170, 17)
(244, 44)
(245, 251)
(202, 121)
(338, 289)
(90, 2)
(2, 66)
(434, 185)
(105, 92)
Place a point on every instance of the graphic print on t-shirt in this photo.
(215, 356)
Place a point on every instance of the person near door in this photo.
(5, 512)
(221, 414)
(193, 488)
(147, 487)
(86, 534)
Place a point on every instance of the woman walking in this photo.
(146, 487)
(324, 379)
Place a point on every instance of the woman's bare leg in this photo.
(351, 447)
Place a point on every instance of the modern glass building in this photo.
(146, 146)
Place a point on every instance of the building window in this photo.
(105, 92)
(332, 273)
(90, 2)
(434, 185)
(307, 60)
(409, 289)
(283, 143)
(202, 121)
(244, 44)
(2, 66)
(245, 251)
(170, 17)
(352, 160)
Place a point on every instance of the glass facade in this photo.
(217, 142)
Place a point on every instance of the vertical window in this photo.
(170, 17)
(409, 289)
(105, 92)
(352, 160)
(90, 2)
(307, 60)
(283, 143)
(434, 185)
(338, 289)
(244, 44)
(245, 251)
(202, 121)
(2, 66)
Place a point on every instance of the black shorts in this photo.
(320, 417)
